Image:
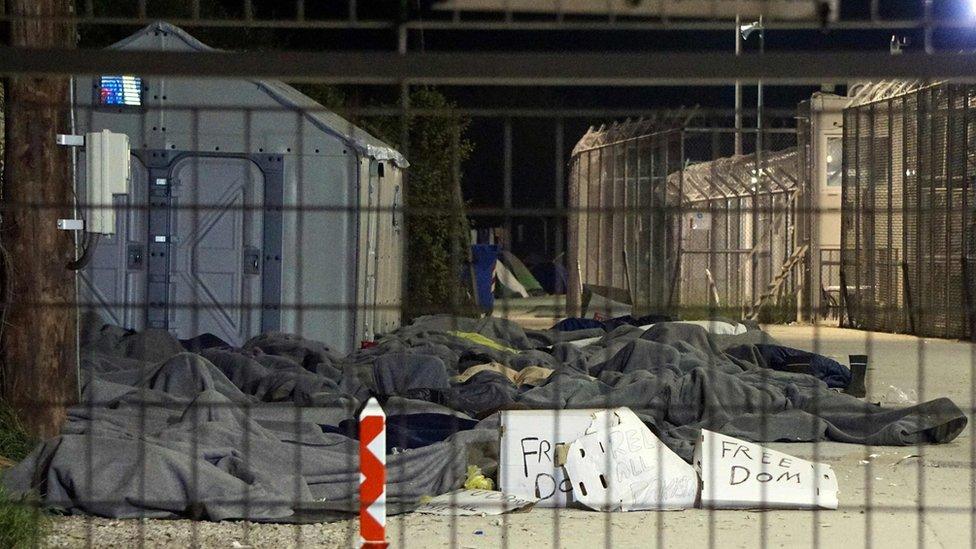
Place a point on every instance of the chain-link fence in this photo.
(906, 209)
(214, 260)
(669, 224)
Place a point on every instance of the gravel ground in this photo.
(78, 531)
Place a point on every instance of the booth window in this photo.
(834, 161)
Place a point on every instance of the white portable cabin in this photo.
(250, 208)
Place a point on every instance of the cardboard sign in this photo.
(737, 474)
(465, 503)
(527, 463)
(619, 465)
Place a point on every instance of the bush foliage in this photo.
(437, 228)
(23, 524)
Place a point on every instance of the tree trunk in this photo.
(38, 339)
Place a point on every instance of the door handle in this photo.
(135, 257)
(252, 261)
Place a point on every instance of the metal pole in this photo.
(759, 159)
(759, 101)
(738, 91)
(928, 27)
(560, 220)
(76, 234)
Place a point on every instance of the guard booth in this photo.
(250, 208)
(820, 136)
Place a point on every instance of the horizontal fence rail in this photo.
(417, 229)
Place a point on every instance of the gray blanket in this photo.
(238, 433)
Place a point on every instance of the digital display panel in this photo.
(124, 91)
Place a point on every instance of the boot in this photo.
(859, 369)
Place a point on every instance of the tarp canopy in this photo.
(522, 273)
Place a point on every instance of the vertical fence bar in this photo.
(910, 165)
(967, 236)
(609, 207)
(675, 290)
(947, 222)
(931, 211)
(560, 192)
(870, 243)
(733, 247)
(890, 280)
(969, 240)
(921, 298)
(640, 247)
(652, 242)
(594, 194)
(558, 135)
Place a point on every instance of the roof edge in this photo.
(386, 154)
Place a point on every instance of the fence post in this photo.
(372, 474)
(908, 297)
(967, 297)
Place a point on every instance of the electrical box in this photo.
(107, 174)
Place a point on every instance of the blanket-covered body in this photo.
(263, 432)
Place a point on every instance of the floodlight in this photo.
(748, 29)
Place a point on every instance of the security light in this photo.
(748, 29)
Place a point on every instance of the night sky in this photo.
(534, 159)
(534, 154)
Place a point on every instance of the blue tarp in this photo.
(483, 257)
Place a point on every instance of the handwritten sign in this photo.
(737, 474)
(619, 465)
(527, 463)
(464, 503)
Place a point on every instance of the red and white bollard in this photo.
(372, 476)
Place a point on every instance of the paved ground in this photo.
(533, 312)
(892, 500)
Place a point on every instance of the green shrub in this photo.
(23, 523)
(436, 223)
(15, 441)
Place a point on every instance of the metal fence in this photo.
(232, 435)
(907, 221)
(665, 219)
(623, 236)
(740, 224)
